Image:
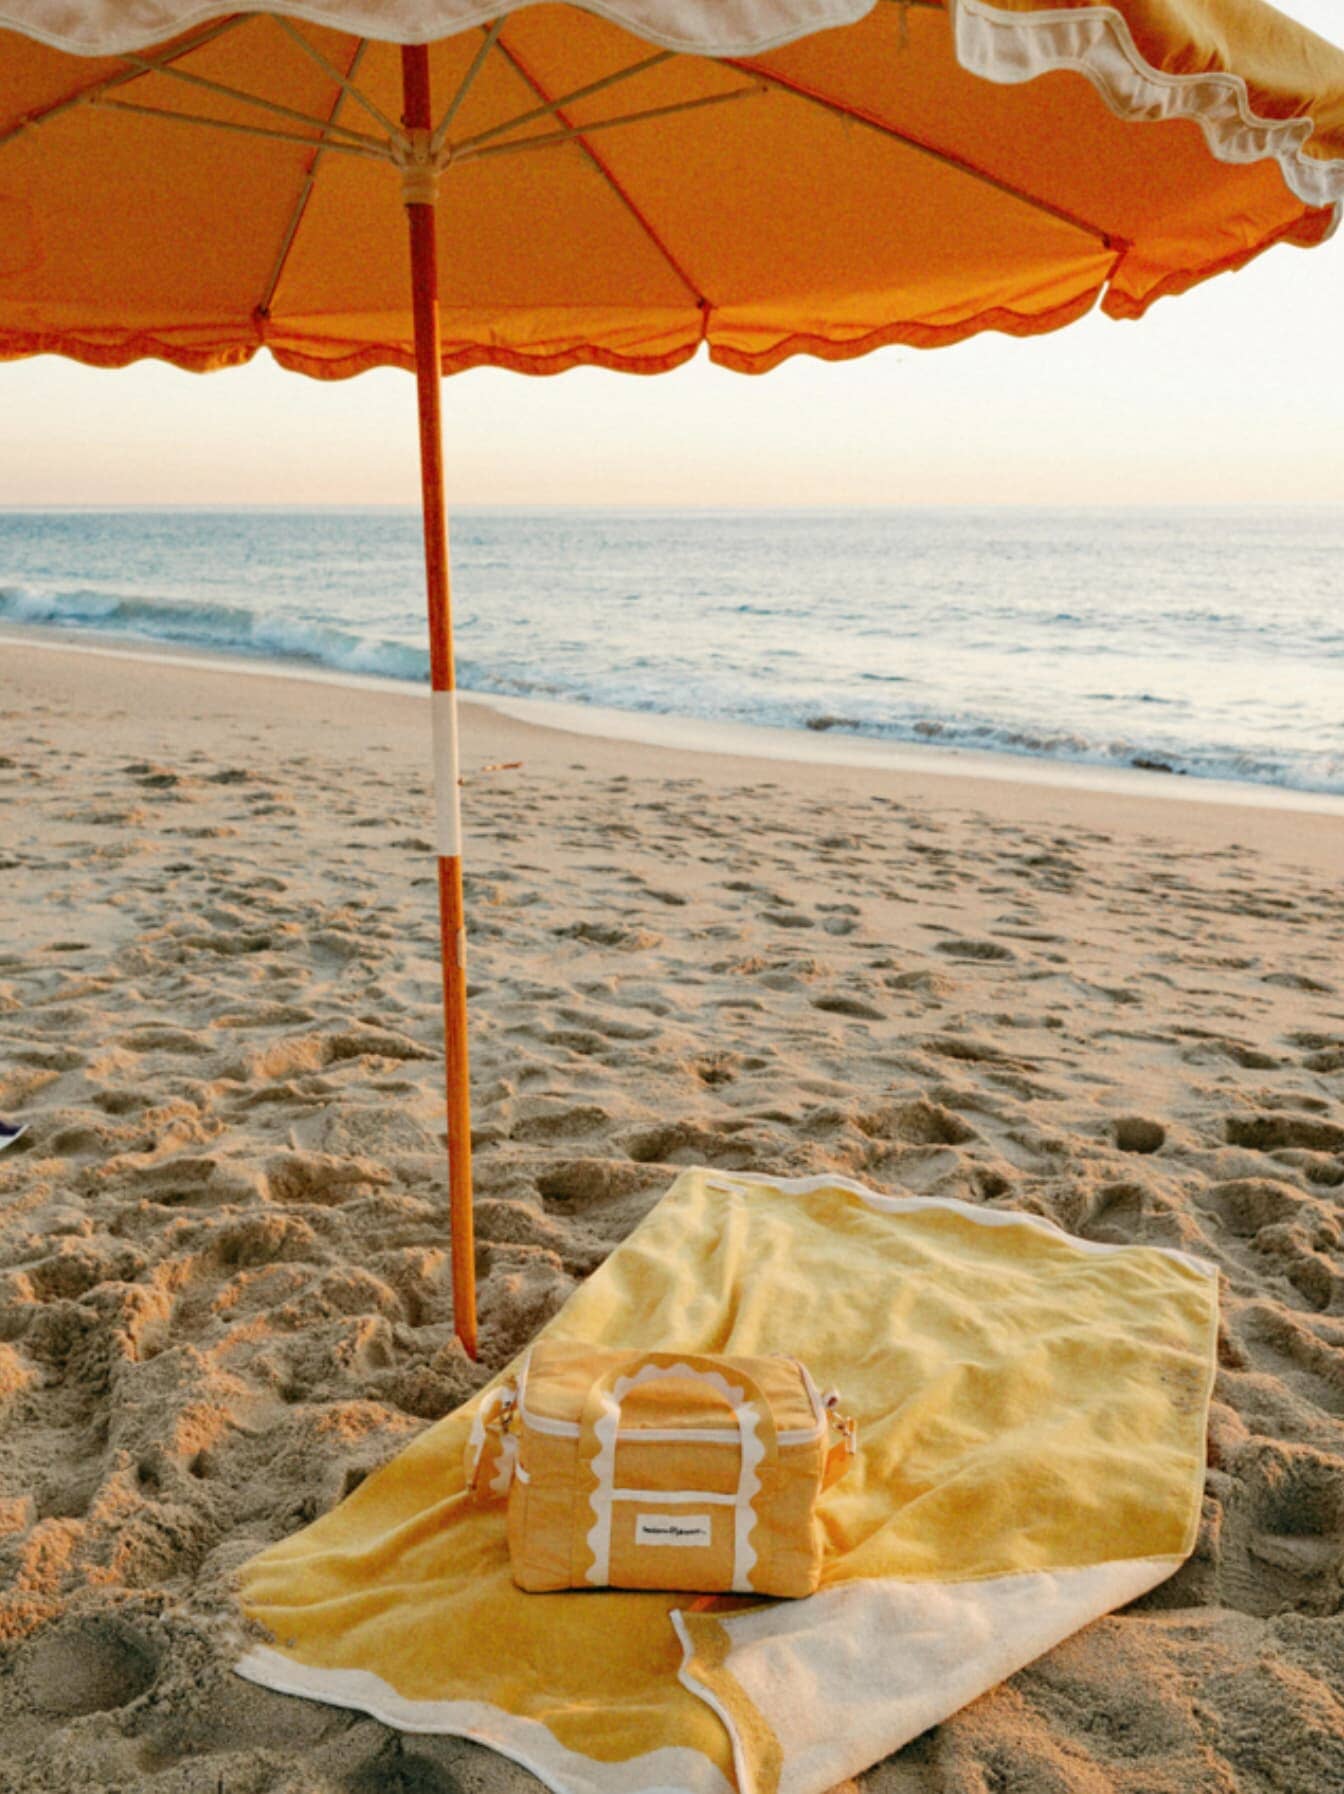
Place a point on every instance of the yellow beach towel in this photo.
(1031, 1414)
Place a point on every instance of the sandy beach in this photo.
(223, 1252)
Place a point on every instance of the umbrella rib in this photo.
(329, 68)
(149, 66)
(465, 86)
(516, 62)
(305, 193)
(90, 94)
(838, 110)
(224, 124)
(904, 7)
(548, 139)
(552, 107)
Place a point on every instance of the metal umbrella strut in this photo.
(903, 176)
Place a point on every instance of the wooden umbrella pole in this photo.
(419, 185)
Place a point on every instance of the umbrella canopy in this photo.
(829, 194)
(618, 184)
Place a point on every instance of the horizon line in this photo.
(69, 507)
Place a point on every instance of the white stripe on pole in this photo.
(447, 770)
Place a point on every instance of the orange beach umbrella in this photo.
(617, 184)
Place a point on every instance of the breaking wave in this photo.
(220, 628)
(1192, 644)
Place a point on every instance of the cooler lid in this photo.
(559, 1373)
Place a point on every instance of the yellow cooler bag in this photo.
(660, 1470)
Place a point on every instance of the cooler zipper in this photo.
(569, 1429)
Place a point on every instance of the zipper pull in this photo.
(844, 1424)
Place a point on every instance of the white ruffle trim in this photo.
(1095, 41)
(696, 27)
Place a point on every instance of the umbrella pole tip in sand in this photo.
(418, 187)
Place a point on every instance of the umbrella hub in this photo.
(420, 163)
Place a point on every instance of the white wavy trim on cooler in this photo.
(507, 1462)
(1095, 41)
(751, 1451)
(696, 27)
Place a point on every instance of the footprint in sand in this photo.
(322, 1179)
(1116, 1212)
(606, 934)
(1297, 981)
(986, 950)
(1308, 1364)
(547, 1120)
(1313, 1276)
(917, 1123)
(1286, 1225)
(263, 1239)
(93, 1665)
(1247, 1204)
(1294, 1510)
(684, 1143)
(418, 1771)
(577, 1184)
(1135, 1133)
(1271, 1133)
(854, 1007)
(787, 918)
(720, 1068)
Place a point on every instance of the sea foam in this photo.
(1196, 643)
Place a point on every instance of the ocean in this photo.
(1207, 642)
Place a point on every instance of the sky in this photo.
(1231, 394)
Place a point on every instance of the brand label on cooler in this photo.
(673, 1529)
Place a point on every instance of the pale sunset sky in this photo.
(1231, 394)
